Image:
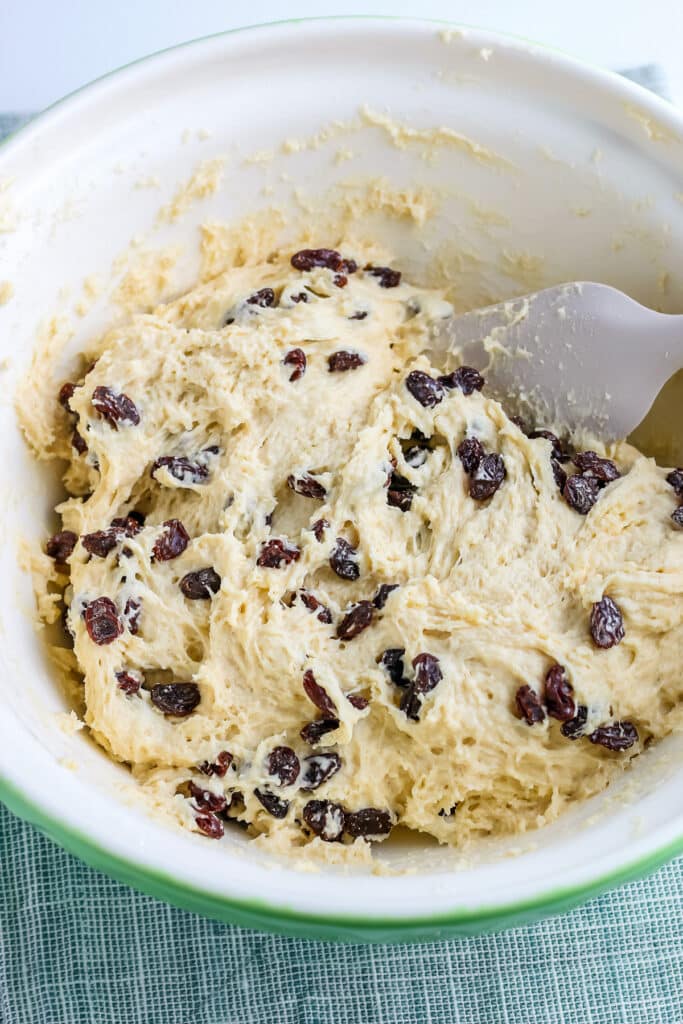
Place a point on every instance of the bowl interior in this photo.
(489, 163)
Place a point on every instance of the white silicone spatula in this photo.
(582, 356)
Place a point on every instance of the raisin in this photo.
(78, 444)
(102, 621)
(581, 493)
(318, 768)
(427, 672)
(591, 465)
(424, 389)
(101, 542)
(219, 766)
(206, 800)
(465, 377)
(130, 524)
(127, 682)
(559, 474)
(400, 493)
(677, 517)
(675, 478)
(368, 822)
(264, 297)
(386, 277)
(181, 469)
(325, 819)
(575, 727)
(201, 585)
(299, 297)
(307, 259)
(176, 699)
(487, 477)
(341, 361)
(615, 736)
(357, 701)
(306, 485)
(296, 357)
(273, 804)
(210, 825)
(382, 595)
(283, 764)
(66, 393)
(448, 812)
(172, 541)
(61, 546)
(470, 453)
(277, 552)
(558, 694)
(319, 695)
(114, 407)
(607, 624)
(529, 705)
(410, 702)
(359, 315)
(557, 452)
(319, 527)
(314, 731)
(391, 661)
(131, 614)
(344, 560)
(311, 602)
(356, 620)
(341, 280)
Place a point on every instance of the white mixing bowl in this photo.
(593, 190)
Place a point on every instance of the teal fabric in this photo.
(78, 948)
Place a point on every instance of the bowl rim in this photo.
(265, 915)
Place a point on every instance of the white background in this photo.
(50, 47)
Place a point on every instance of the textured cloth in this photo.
(78, 948)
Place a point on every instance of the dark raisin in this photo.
(427, 672)
(591, 465)
(341, 361)
(61, 546)
(382, 595)
(176, 699)
(311, 602)
(487, 477)
(319, 527)
(127, 682)
(101, 542)
(470, 453)
(78, 444)
(341, 280)
(273, 804)
(296, 357)
(424, 389)
(210, 825)
(359, 315)
(675, 479)
(558, 694)
(557, 452)
(391, 661)
(131, 614)
(448, 812)
(264, 297)
(102, 621)
(307, 259)
(206, 800)
(319, 695)
(181, 469)
(306, 485)
(325, 819)
(277, 552)
(314, 731)
(300, 297)
(318, 768)
(559, 474)
(283, 764)
(368, 822)
(201, 585)
(465, 377)
(66, 393)
(400, 493)
(172, 541)
(615, 736)
(114, 407)
(529, 705)
(130, 525)
(357, 701)
(386, 277)
(411, 702)
(581, 493)
(575, 727)
(356, 620)
(607, 624)
(344, 560)
(218, 767)
(677, 517)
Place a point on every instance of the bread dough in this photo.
(497, 590)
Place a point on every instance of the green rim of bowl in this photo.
(261, 915)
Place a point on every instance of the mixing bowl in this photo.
(501, 164)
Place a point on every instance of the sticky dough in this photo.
(497, 590)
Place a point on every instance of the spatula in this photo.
(581, 356)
